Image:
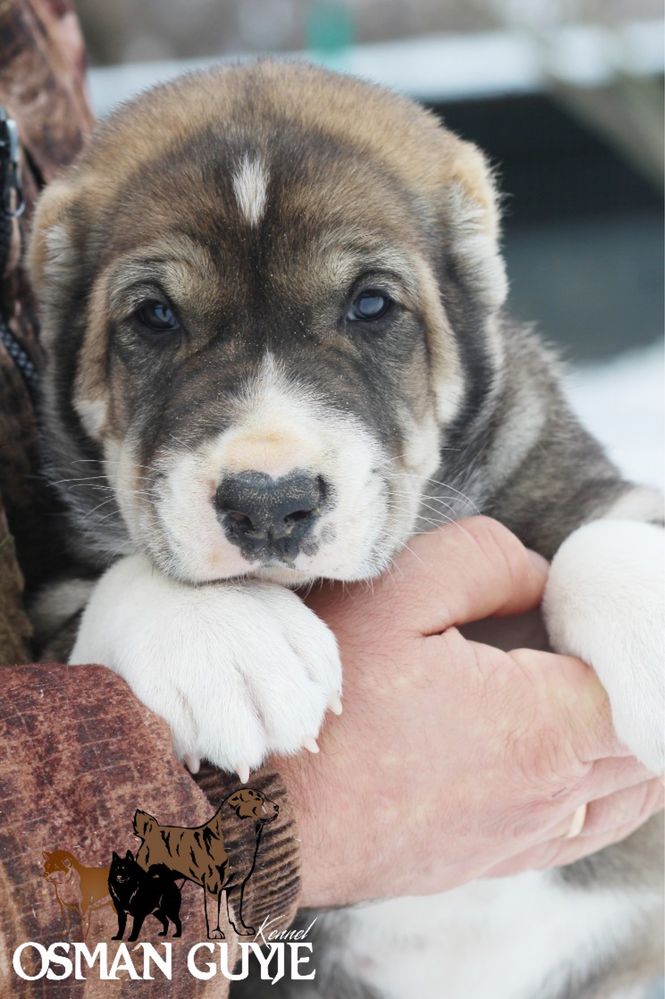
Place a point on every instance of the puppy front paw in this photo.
(238, 670)
(604, 603)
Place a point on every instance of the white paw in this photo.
(238, 670)
(604, 603)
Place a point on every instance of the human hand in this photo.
(453, 759)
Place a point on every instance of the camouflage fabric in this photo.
(78, 753)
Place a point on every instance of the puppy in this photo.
(199, 853)
(272, 306)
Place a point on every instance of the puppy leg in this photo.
(604, 603)
(238, 670)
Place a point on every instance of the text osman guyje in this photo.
(286, 957)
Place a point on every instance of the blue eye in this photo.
(369, 306)
(157, 317)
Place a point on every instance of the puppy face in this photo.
(253, 287)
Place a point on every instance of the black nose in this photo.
(266, 516)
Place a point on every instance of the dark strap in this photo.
(12, 204)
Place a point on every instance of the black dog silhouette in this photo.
(143, 893)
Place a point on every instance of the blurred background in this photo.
(566, 97)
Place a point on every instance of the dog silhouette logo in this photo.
(218, 856)
(142, 893)
(78, 889)
(199, 854)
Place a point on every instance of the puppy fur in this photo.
(257, 202)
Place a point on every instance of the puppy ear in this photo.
(51, 256)
(129, 855)
(115, 856)
(472, 222)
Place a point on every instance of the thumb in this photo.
(466, 571)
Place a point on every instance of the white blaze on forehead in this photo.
(250, 185)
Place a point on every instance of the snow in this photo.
(623, 403)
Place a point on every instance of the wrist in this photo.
(327, 879)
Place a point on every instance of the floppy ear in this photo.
(472, 222)
(63, 287)
(51, 253)
(143, 822)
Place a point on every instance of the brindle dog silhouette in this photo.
(142, 893)
(78, 889)
(199, 855)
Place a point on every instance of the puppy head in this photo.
(250, 804)
(260, 289)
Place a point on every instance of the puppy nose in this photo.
(261, 513)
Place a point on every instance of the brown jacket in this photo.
(78, 753)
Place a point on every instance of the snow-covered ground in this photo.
(622, 402)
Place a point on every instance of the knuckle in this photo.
(539, 756)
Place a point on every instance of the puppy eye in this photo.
(158, 317)
(369, 306)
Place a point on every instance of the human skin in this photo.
(452, 759)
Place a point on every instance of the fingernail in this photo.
(311, 745)
(243, 774)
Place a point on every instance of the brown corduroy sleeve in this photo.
(78, 756)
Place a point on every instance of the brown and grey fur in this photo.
(357, 180)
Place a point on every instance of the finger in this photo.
(463, 572)
(616, 811)
(467, 571)
(610, 775)
(604, 781)
(560, 851)
(610, 782)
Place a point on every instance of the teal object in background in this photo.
(330, 32)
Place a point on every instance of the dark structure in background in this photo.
(583, 230)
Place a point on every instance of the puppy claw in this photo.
(312, 745)
(336, 706)
(192, 762)
(243, 773)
